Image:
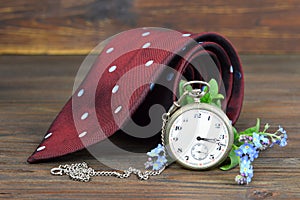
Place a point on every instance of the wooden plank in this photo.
(30, 98)
(77, 26)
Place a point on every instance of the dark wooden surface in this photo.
(76, 26)
(34, 89)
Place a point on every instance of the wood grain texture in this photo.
(33, 89)
(77, 26)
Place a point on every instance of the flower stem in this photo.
(271, 135)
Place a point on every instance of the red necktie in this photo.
(130, 75)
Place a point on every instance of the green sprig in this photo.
(212, 97)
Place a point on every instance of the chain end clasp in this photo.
(57, 171)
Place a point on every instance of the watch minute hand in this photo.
(210, 140)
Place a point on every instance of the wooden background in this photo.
(76, 26)
(30, 99)
(34, 88)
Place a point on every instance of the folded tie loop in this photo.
(135, 70)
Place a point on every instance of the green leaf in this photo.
(218, 96)
(267, 126)
(257, 126)
(187, 99)
(234, 160)
(216, 102)
(206, 98)
(214, 88)
(181, 83)
(235, 133)
(250, 130)
(215, 97)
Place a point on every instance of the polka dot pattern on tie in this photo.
(146, 45)
(146, 34)
(112, 68)
(41, 148)
(149, 63)
(115, 89)
(170, 76)
(82, 134)
(150, 45)
(48, 135)
(84, 116)
(80, 93)
(231, 69)
(118, 109)
(110, 50)
(186, 35)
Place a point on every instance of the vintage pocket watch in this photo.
(198, 135)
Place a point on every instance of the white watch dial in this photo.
(199, 138)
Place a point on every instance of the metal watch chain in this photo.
(82, 172)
